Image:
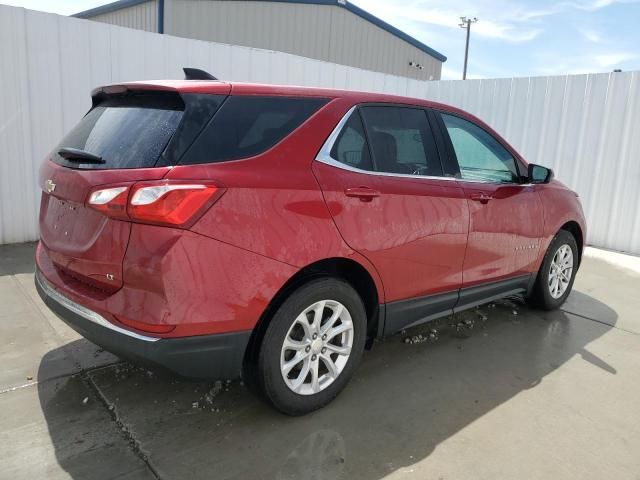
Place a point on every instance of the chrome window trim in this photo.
(85, 313)
(324, 156)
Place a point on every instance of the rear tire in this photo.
(312, 346)
(557, 273)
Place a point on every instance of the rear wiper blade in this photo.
(80, 156)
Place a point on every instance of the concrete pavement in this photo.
(527, 395)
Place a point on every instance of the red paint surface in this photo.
(415, 232)
(504, 232)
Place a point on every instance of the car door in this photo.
(506, 213)
(383, 182)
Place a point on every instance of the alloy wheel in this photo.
(317, 347)
(560, 271)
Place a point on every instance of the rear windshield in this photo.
(125, 132)
(245, 126)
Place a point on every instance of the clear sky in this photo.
(511, 38)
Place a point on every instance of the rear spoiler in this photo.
(171, 85)
(166, 86)
(98, 95)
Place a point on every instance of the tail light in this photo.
(169, 203)
(110, 201)
(177, 204)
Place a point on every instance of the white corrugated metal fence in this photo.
(586, 127)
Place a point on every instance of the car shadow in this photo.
(405, 399)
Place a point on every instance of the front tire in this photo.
(312, 346)
(557, 272)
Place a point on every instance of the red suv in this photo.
(224, 229)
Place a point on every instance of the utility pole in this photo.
(466, 24)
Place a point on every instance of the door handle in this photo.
(365, 194)
(481, 197)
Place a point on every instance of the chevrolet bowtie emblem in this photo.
(49, 186)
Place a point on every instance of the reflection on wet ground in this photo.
(405, 399)
(498, 392)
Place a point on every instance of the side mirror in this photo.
(539, 174)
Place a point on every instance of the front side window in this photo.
(401, 140)
(480, 156)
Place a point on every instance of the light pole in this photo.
(466, 24)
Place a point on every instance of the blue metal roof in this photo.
(110, 7)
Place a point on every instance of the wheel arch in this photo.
(343, 268)
(574, 229)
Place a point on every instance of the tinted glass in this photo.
(199, 108)
(401, 141)
(480, 155)
(351, 146)
(245, 126)
(126, 132)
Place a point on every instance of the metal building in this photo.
(331, 30)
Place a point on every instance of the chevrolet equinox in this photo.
(221, 230)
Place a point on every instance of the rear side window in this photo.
(125, 132)
(401, 140)
(351, 146)
(245, 126)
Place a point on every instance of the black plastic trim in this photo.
(447, 156)
(191, 73)
(382, 315)
(200, 357)
(479, 294)
(415, 311)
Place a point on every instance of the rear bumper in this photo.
(216, 356)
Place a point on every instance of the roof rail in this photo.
(197, 74)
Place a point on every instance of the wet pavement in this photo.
(499, 392)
